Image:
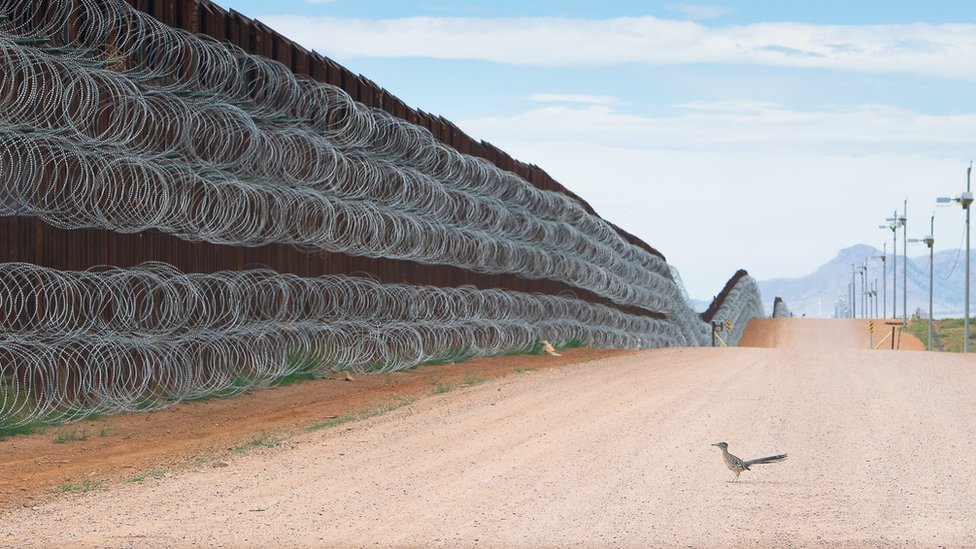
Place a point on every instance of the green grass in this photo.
(307, 365)
(364, 413)
(920, 329)
(258, 441)
(13, 398)
(535, 348)
(237, 385)
(71, 436)
(146, 403)
(950, 332)
(28, 429)
(569, 344)
(453, 356)
(304, 366)
(155, 473)
(524, 370)
(79, 487)
(441, 387)
(331, 422)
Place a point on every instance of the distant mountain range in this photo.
(817, 294)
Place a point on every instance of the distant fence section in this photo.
(738, 303)
(191, 204)
(780, 310)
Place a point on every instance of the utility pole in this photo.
(864, 290)
(893, 223)
(894, 267)
(930, 242)
(884, 282)
(904, 273)
(966, 200)
(853, 293)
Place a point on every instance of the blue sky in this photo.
(758, 135)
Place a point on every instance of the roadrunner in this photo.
(738, 465)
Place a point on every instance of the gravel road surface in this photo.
(608, 453)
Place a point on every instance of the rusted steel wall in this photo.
(30, 240)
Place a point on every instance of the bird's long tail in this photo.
(770, 459)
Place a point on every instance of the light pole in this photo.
(884, 282)
(893, 225)
(964, 199)
(853, 293)
(904, 270)
(863, 270)
(929, 241)
(874, 297)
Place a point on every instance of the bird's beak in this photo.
(716, 444)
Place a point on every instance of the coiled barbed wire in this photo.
(126, 124)
(183, 125)
(780, 310)
(156, 55)
(56, 179)
(110, 340)
(743, 303)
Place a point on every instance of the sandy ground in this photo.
(816, 334)
(119, 448)
(608, 453)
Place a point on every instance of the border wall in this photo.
(191, 204)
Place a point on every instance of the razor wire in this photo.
(162, 58)
(208, 136)
(122, 39)
(742, 304)
(49, 177)
(112, 340)
(110, 37)
(780, 310)
(110, 119)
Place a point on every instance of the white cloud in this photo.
(740, 125)
(944, 50)
(570, 98)
(700, 11)
(740, 184)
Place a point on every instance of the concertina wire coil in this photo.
(113, 340)
(132, 125)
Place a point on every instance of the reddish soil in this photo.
(121, 447)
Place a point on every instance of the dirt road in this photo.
(608, 453)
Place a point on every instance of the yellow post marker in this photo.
(728, 326)
(871, 336)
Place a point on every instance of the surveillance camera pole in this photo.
(893, 222)
(884, 282)
(967, 199)
(904, 270)
(864, 290)
(930, 242)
